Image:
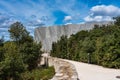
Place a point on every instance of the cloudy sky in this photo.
(34, 13)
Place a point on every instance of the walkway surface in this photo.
(94, 72)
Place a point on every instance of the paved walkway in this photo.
(94, 72)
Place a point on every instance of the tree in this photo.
(18, 33)
(117, 20)
(1, 41)
(12, 65)
(18, 55)
(30, 50)
(63, 47)
(31, 53)
(1, 48)
(60, 49)
(1, 53)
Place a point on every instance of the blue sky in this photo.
(34, 13)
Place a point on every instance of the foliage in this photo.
(18, 33)
(1, 53)
(117, 20)
(1, 48)
(61, 48)
(100, 45)
(9, 66)
(1, 41)
(31, 53)
(29, 50)
(39, 74)
(19, 55)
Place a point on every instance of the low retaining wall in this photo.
(64, 70)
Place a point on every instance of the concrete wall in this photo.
(47, 35)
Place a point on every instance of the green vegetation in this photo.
(39, 74)
(20, 56)
(100, 46)
(12, 64)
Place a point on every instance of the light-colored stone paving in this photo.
(94, 72)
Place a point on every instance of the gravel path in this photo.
(94, 72)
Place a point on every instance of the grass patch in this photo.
(39, 74)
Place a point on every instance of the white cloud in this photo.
(102, 13)
(36, 23)
(67, 18)
(98, 18)
(68, 23)
(109, 10)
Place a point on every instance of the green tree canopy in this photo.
(19, 33)
(117, 20)
(12, 65)
(1, 40)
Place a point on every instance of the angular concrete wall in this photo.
(47, 35)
